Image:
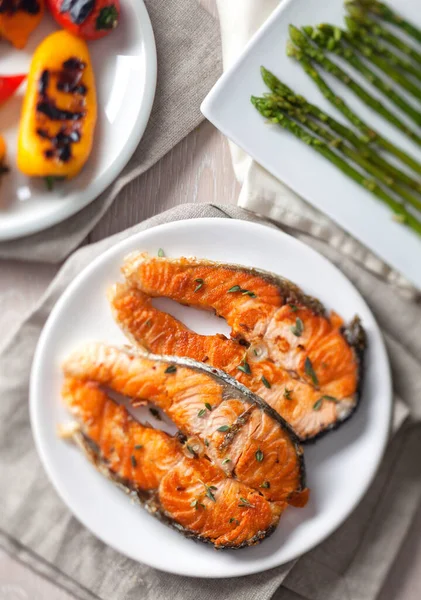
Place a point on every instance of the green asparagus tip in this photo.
(352, 26)
(268, 77)
(297, 36)
(356, 12)
(325, 28)
(308, 29)
(274, 83)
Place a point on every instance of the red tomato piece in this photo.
(88, 19)
(8, 85)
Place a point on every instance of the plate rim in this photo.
(247, 568)
(94, 190)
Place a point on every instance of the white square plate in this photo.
(229, 108)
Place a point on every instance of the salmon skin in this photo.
(242, 440)
(284, 346)
(190, 494)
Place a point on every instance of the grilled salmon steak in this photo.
(190, 494)
(284, 346)
(222, 419)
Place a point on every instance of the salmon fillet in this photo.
(283, 345)
(220, 418)
(190, 494)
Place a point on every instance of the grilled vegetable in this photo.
(350, 115)
(221, 419)
(59, 109)
(190, 494)
(88, 19)
(304, 46)
(350, 56)
(386, 13)
(365, 144)
(279, 113)
(285, 348)
(8, 85)
(18, 19)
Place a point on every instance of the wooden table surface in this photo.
(197, 170)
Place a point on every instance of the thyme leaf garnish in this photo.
(245, 502)
(161, 253)
(201, 412)
(298, 328)
(191, 449)
(148, 323)
(208, 406)
(293, 307)
(259, 455)
(133, 461)
(266, 382)
(171, 369)
(226, 460)
(209, 492)
(308, 367)
(287, 393)
(266, 485)
(248, 293)
(244, 292)
(138, 447)
(330, 399)
(224, 428)
(200, 283)
(244, 367)
(318, 404)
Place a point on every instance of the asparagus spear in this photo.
(361, 35)
(317, 55)
(329, 38)
(359, 15)
(350, 114)
(361, 144)
(352, 58)
(390, 16)
(322, 148)
(276, 103)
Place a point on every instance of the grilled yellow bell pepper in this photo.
(18, 19)
(59, 109)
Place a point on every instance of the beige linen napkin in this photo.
(263, 193)
(188, 48)
(37, 528)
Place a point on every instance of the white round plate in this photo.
(125, 71)
(340, 466)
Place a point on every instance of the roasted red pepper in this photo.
(8, 85)
(88, 19)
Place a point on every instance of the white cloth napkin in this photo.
(261, 192)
